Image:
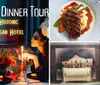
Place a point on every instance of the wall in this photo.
(63, 54)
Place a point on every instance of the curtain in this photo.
(2, 38)
(33, 23)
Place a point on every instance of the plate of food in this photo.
(74, 20)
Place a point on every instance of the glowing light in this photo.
(22, 49)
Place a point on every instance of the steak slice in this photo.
(71, 21)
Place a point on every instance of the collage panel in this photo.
(74, 20)
(74, 42)
(24, 42)
(18, 65)
(75, 63)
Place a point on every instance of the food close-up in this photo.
(75, 19)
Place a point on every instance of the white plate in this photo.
(93, 34)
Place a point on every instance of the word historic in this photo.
(23, 12)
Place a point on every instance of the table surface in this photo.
(26, 82)
(29, 82)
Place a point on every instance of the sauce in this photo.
(80, 12)
(61, 27)
(73, 4)
(90, 18)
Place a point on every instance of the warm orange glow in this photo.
(22, 48)
(1, 76)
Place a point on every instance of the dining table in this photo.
(25, 81)
(29, 82)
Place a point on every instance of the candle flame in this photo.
(22, 48)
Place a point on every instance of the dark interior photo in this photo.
(75, 62)
(11, 61)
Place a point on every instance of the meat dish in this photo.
(71, 23)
